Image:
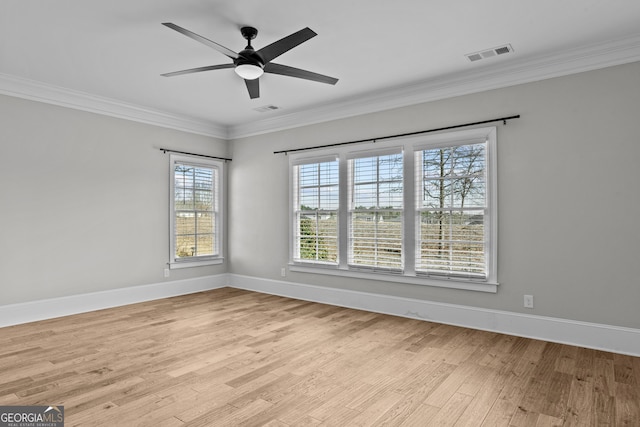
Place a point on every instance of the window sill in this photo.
(200, 263)
(469, 285)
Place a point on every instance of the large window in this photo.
(196, 214)
(422, 210)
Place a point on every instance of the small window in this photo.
(196, 214)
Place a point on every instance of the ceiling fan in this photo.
(250, 64)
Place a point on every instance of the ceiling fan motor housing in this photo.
(249, 57)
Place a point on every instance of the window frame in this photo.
(218, 203)
(490, 216)
(408, 146)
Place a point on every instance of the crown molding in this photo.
(502, 74)
(586, 58)
(43, 92)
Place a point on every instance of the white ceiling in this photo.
(107, 56)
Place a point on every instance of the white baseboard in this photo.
(590, 335)
(32, 311)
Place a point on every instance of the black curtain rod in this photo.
(166, 150)
(501, 119)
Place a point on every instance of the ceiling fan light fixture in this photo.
(249, 71)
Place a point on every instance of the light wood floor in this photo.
(230, 357)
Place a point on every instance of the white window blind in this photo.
(375, 212)
(316, 200)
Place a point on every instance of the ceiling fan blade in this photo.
(225, 51)
(279, 47)
(199, 69)
(285, 70)
(253, 86)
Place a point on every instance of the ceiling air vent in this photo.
(488, 53)
(266, 108)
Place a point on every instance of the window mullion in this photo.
(195, 215)
(376, 246)
(344, 206)
(409, 212)
(450, 210)
(317, 236)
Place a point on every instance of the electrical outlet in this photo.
(167, 273)
(283, 271)
(528, 301)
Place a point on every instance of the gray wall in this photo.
(84, 201)
(569, 205)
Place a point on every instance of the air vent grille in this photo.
(488, 53)
(266, 108)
